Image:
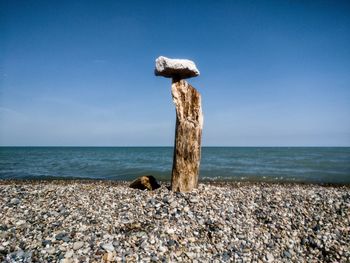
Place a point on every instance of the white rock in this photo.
(78, 245)
(170, 231)
(108, 247)
(269, 257)
(175, 68)
(20, 222)
(69, 254)
(190, 255)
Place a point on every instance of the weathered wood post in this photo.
(189, 122)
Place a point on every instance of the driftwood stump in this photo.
(189, 121)
(188, 134)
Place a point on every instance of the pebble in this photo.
(194, 200)
(78, 245)
(190, 255)
(61, 236)
(170, 231)
(69, 254)
(2, 249)
(286, 254)
(108, 257)
(269, 257)
(51, 250)
(15, 201)
(108, 247)
(225, 222)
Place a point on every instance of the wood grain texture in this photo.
(188, 135)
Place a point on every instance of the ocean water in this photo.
(314, 165)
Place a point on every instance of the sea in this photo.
(268, 164)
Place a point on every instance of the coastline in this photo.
(94, 221)
(220, 183)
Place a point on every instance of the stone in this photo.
(108, 247)
(170, 231)
(62, 236)
(188, 135)
(171, 242)
(145, 182)
(175, 68)
(51, 250)
(286, 254)
(108, 257)
(78, 245)
(190, 255)
(20, 222)
(2, 249)
(14, 201)
(66, 238)
(69, 254)
(269, 257)
(194, 200)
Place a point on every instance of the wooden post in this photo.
(188, 134)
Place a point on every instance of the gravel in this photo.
(99, 221)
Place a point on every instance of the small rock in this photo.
(62, 236)
(14, 201)
(190, 255)
(171, 242)
(108, 257)
(2, 249)
(78, 245)
(69, 254)
(20, 222)
(51, 250)
(145, 182)
(162, 249)
(20, 253)
(170, 231)
(269, 257)
(286, 254)
(66, 239)
(46, 242)
(108, 247)
(194, 200)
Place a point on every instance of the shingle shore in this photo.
(94, 221)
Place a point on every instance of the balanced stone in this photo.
(175, 68)
(189, 122)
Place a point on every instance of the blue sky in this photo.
(273, 73)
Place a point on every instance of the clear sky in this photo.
(273, 73)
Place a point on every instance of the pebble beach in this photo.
(104, 221)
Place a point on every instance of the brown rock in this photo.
(145, 182)
(108, 257)
(189, 123)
